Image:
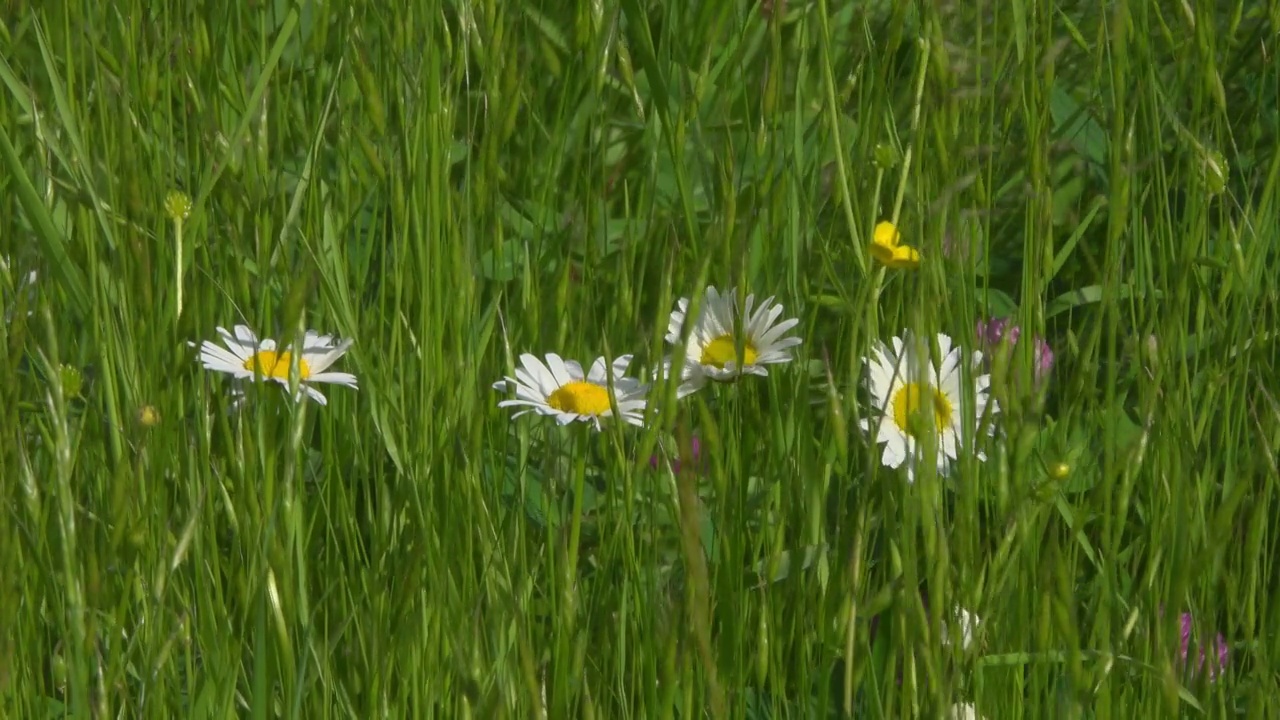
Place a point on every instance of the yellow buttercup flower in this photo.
(886, 247)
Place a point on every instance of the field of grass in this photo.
(452, 186)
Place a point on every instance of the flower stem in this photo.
(177, 264)
(575, 529)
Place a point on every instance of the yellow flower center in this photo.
(580, 398)
(909, 408)
(270, 364)
(721, 352)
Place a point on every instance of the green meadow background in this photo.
(453, 184)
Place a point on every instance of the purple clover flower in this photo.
(992, 333)
(1220, 644)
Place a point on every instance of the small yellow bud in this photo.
(177, 205)
(148, 416)
(1059, 470)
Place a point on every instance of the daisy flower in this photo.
(911, 394)
(887, 247)
(247, 356)
(561, 389)
(712, 351)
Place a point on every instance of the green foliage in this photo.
(453, 185)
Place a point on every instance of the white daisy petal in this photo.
(691, 383)
(533, 376)
(950, 368)
(895, 452)
(221, 359)
(320, 358)
(947, 445)
(944, 344)
(559, 373)
(620, 365)
(531, 364)
(887, 431)
(520, 403)
(982, 383)
(313, 393)
(243, 335)
(765, 317)
(574, 368)
(771, 336)
(237, 346)
(712, 295)
(676, 322)
(748, 317)
(597, 372)
(313, 340)
(521, 379)
(335, 378)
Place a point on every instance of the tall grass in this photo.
(455, 184)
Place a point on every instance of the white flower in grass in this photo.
(561, 389)
(913, 398)
(246, 357)
(712, 352)
(967, 623)
(964, 711)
